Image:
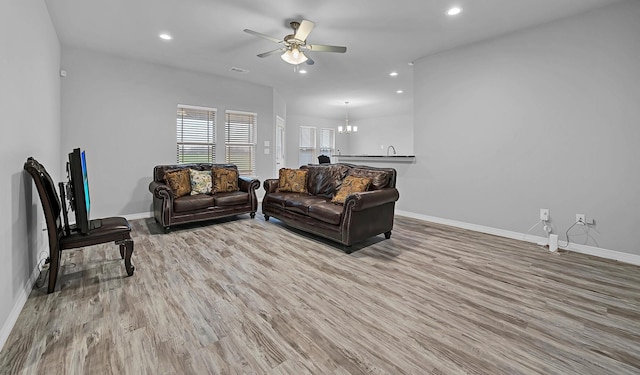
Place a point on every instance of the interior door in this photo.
(280, 142)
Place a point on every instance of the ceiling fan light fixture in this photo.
(294, 56)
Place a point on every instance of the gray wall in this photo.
(122, 112)
(376, 134)
(544, 118)
(30, 107)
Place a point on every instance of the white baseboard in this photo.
(584, 249)
(17, 307)
(142, 215)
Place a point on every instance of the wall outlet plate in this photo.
(544, 214)
(581, 219)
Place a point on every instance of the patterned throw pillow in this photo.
(178, 180)
(224, 180)
(292, 180)
(200, 182)
(351, 185)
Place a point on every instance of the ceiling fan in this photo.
(295, 44)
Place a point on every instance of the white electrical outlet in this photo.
(544, 214)
(581, 219)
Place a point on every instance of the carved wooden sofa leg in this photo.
(126, 250)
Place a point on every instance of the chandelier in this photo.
(347, 128)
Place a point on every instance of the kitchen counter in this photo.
(376, 158)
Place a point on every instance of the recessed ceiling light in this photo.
(399, 91)
(393, 74)
(453, 11)
(165, 36)
(303, 71)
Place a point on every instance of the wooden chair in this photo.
(115, 229)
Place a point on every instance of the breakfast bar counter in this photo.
(375, 158)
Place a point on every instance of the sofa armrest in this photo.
(160, 190)
(248, 184)
(368, 199)
(270, 185)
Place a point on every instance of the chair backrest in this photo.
(324, 159)
(49, 199)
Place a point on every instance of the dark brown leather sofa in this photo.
(363, 215)
(169, 210)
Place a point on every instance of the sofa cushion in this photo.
(232, 198)
(200, 182)
(292, 180)
(276, 199)
(379, 179)
(327, 212)
(351, 185)
(224, 180)
(179, 181)
(192, 203)
(324, 180)
(300, 203)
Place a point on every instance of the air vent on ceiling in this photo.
(238, 70)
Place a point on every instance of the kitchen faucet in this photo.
(394, 150)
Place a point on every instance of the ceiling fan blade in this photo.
(263, 36)
(325, 48)
(310, 61)
(303, 30)
(279, 50)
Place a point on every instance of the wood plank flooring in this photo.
(247, 296)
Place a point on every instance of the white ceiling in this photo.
(381, 36)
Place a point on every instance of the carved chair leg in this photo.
(126, 249)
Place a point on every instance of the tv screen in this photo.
(79, 180)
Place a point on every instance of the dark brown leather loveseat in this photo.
(169, 210)
(362, 215)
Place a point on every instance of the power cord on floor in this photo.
(44, 272)
(567, 235)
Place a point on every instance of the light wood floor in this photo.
(253, 297)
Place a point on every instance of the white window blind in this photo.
(327, 141)
(195, 134)
(240, 140)
(307, 153)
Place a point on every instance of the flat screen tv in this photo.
(79, 180)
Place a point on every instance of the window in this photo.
(195, 134)
(307, 153)
(327, 141)
(240, 140)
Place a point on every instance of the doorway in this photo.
(280, 142)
